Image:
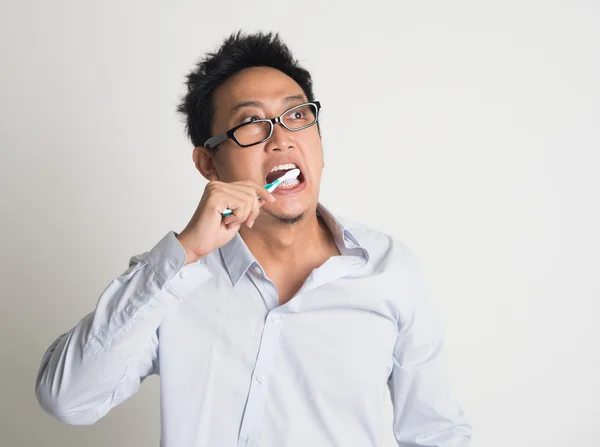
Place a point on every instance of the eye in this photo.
(297, 115)
(250, 119)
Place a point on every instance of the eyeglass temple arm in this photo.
(216, 140)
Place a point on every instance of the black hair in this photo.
(238, 52)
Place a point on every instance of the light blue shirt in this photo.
(239, 370)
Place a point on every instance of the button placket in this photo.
(258, 387)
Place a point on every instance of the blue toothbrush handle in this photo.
(269, 187)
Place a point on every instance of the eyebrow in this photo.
(287, 100)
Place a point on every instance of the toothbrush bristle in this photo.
(292, 174)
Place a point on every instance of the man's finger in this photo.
(260, 191)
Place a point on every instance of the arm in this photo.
(426, 412)
(103, 360)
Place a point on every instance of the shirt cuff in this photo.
(168, 258)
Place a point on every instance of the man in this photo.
(278, 325)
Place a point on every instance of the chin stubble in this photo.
(289, 220)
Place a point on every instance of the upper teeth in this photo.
(284, 167)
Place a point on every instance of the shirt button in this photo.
(275, 318)
(260, 378)
(183, 273)
(257, 270)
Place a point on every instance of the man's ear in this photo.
(205, 163)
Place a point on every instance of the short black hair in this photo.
(238, 52)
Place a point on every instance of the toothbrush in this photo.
(288, 176)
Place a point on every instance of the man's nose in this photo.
(281, 138)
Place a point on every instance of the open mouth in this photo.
(279, 171)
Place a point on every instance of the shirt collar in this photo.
(238, 257)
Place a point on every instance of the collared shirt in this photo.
(239, 370)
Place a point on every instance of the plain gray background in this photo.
(468, 130)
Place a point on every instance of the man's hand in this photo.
(208, 229)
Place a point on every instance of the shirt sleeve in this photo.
(103, 360)
(426, 413)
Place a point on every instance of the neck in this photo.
(275, 243)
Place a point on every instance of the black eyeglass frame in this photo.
(213, 142)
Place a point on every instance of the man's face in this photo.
(265, 92)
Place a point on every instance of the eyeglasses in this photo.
(260, 130)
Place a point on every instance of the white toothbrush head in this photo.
(292, 174)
